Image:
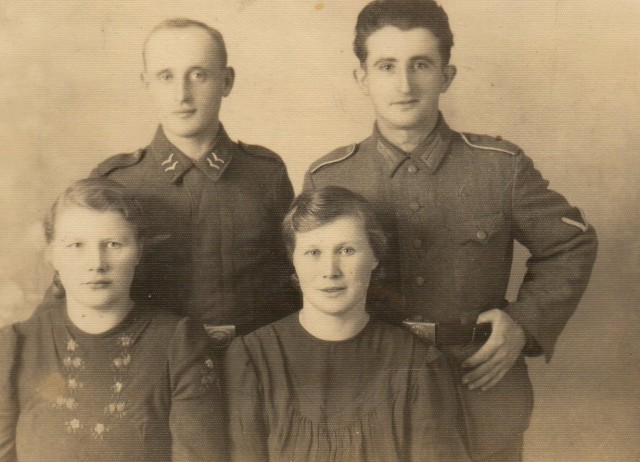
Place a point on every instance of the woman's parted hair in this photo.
(101, 195)
(317, 207)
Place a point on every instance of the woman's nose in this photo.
(97, 259)
(332, 267)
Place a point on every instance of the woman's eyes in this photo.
(313, 253)
(347, 251)
(74, 245)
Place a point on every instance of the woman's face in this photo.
(334, 264)
(96, 254)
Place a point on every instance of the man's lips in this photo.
(405, 102)
(184, 112)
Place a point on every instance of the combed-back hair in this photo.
(101, 195)
(183, 23)
(405, 15)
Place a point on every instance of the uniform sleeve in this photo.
(248, 432)
(285, 297)
(9, 409)
(197, 417)
(308, 181)
(433, 410)
(563, 249)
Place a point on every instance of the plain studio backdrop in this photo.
(557, 77)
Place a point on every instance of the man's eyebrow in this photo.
(427, 58)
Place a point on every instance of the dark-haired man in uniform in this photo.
(214, 206)
(454, 204)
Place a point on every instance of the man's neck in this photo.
(194, 146)
(407, 140)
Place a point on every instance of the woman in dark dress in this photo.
(328, 383)
(99, 377)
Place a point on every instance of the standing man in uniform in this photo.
(214, 206)
(455, 203)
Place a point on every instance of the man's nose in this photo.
(182, 90)
(404, 82)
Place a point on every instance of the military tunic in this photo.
(215, 251)
(454, 207)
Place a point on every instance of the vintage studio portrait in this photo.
(306, 230)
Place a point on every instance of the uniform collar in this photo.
(173, 164)
(427, 155)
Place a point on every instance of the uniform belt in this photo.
(221, 335)
(449, 333)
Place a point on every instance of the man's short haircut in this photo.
(405, 15)
(318, 207)
(184, 23)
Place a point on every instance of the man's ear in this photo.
(360, 76)
(449, 73)
(229, 78)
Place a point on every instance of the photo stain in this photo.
(319, 6)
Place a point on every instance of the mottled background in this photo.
(560, 78)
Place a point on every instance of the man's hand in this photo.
(491, 362)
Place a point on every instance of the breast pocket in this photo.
(477, 231)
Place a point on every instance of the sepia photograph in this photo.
(320, 230)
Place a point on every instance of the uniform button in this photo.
(412, 169)
(417, 243)
(419, 281)
(414, 206)
(482, 234)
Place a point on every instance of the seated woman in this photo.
(100, 378)
(328, 383)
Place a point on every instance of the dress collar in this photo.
(172, 163)
(428, 154)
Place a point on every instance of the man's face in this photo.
(187, 80)
(404, 76)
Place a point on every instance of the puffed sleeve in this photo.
(248, 432)
(197, 417)
(433, 411)
(563, 249)
(9, 409)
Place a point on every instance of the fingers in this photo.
(482, 355)
(486, 375)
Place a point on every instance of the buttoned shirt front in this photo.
(215, 252)
(453, 209)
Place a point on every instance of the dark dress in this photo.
(146, 390)
(379, 396)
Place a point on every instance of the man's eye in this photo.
(386, 67)
(198, 76)
(421, 65)
(165, 77)
(113, 245)
(74, 245)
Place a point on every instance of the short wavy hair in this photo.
(405, 15)
(317, 207)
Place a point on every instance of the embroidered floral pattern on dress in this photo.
(114, 410)
(208, 376)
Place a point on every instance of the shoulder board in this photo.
(490, 143)
(260, 151)
(117, 162)
(334, 157)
